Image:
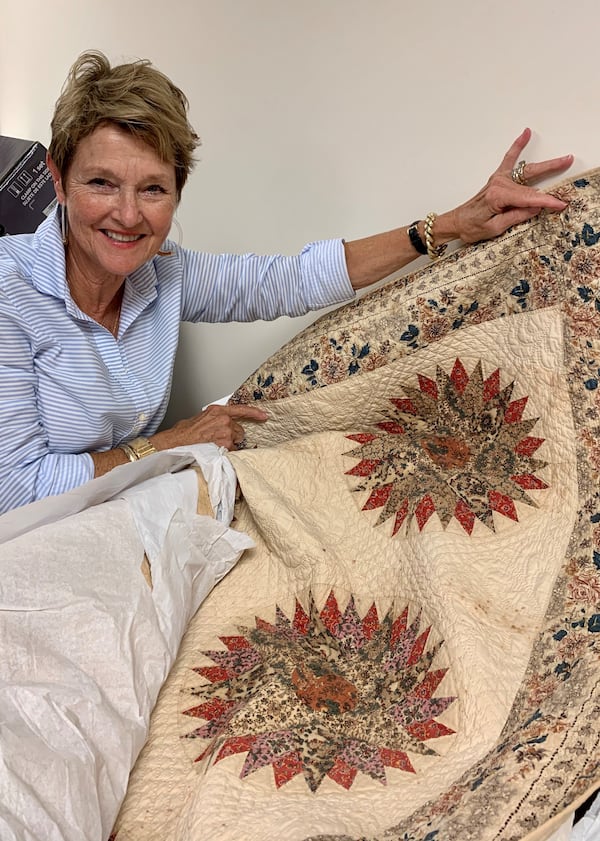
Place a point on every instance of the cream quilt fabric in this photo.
(410, 652)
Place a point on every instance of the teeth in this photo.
(122, 237)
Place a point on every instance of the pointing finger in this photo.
(241, 410)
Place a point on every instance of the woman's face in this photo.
(120, 199)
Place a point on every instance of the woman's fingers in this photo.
(535, 171)
(502, 193)
(514, 153)
(237, 410)
(217, 424)
(221, 424)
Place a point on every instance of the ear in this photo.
(56, 177)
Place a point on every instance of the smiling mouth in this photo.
(122, 237)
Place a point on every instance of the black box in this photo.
(26, 190)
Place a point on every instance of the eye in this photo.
(154, 188)
(100, 182)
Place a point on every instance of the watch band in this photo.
(137, 448)
(415, 238)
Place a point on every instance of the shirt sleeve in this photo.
(28, 470)
(248, 287)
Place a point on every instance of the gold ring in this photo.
(517, 173)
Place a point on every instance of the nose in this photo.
(128, 208)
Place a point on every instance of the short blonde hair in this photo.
(136, 97)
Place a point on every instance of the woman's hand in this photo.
(215, 425)
(219, 425)
(503, 202)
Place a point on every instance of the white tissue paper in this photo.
(54, 508)
(588, 827)
(86, 643)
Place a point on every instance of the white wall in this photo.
(321, 117)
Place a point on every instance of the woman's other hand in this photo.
(221, 425)
(503, 202)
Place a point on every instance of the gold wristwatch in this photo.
(137, 448)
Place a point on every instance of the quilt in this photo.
(410, 652)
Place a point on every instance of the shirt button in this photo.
(141, 417)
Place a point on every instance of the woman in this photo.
(90, 305)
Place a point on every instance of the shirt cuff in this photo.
(324, 267)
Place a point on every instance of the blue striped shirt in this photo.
(68, 387)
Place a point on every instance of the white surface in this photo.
(321, 117)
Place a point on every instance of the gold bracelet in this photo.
(434, 251)
(137, 448)
(128, 451)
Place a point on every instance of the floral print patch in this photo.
(325, 694)
(457, 446)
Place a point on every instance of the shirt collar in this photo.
(49, 271)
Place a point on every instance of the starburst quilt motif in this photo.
(326, 694)
(457, 445)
